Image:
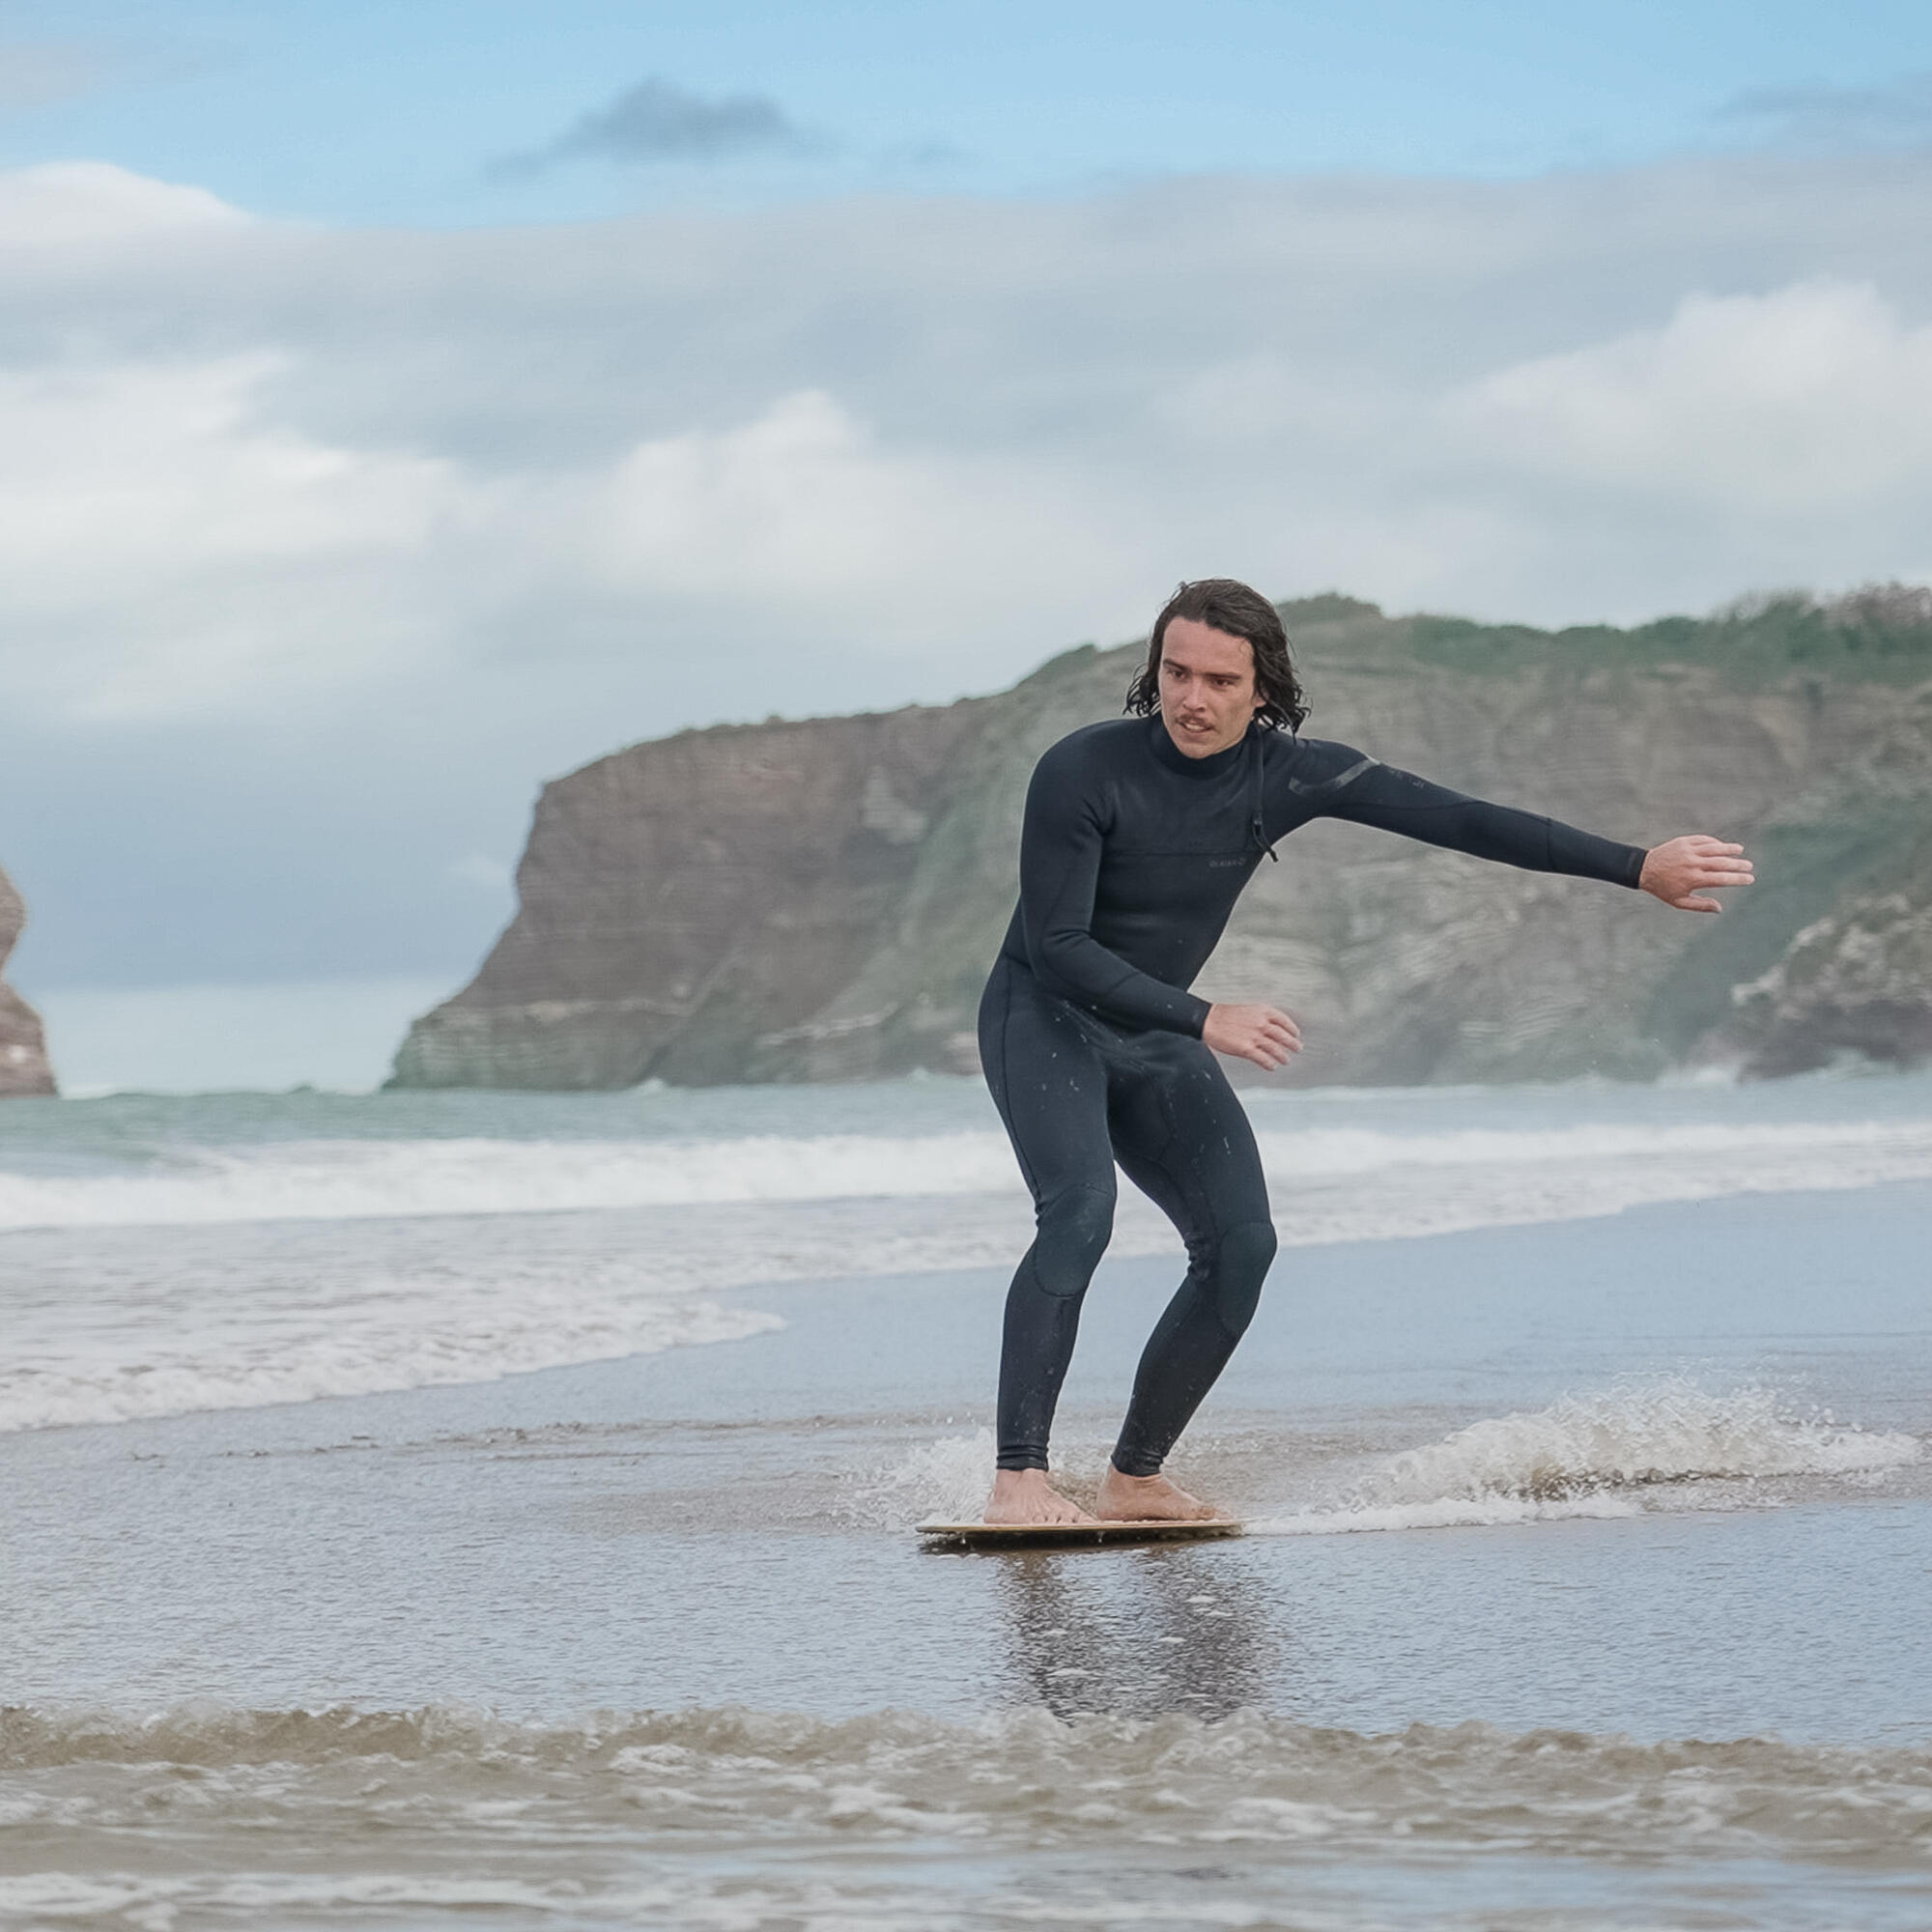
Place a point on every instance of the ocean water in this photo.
(459, 1509)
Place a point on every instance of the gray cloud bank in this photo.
(1833, 118)
(658, 121)
(321, 548)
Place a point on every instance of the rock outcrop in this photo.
(693, 909)
(821, 900)
(1857, 982)
(23, 1047)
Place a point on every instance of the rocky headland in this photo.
(821, 900)
(23, 1046)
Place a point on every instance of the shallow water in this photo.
(1585, 1582)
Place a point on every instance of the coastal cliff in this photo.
(23, 1047)
(821, 900)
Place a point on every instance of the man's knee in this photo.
(1241, 1264)
(1074, 1229)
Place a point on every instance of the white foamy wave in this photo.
(336, 1181)
(278, 1303)
(735, 1817)
(1334, 1151)
(1661, 1432)
(363, 1332)
(1518, 1175)
(1593, 1455)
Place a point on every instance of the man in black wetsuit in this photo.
(1139, 834)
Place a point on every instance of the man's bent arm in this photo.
(1059, 864)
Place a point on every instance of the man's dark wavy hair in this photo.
(1223, 605)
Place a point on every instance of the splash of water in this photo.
(1594, 1455)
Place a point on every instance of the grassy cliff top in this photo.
(1880, 633)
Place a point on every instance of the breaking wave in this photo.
(427, 1345)
(362, 1178)
(1609, 1454)
(456, 1787)
(153, 1276)
(1598, 1456)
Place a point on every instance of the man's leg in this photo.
(1050, 1086)
(1185, 1140)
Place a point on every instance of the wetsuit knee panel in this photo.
(1074, 1229)
(1241, 1264)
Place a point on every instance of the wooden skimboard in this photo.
(1066, 1535)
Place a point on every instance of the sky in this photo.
(402, 406)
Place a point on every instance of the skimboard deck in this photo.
(1065, 1535)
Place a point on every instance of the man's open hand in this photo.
(1682, 872)
(1264, 1035)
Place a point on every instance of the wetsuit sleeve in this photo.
(1060, 867)
(1337, 781)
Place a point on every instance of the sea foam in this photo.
(1539, 1170)
(1598, 1455)
(1608, 1453)
(444, 1792)
(190, 1276)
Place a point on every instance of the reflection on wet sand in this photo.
(1140, 1634)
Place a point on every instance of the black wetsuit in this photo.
(1132, 857)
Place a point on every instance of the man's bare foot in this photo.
(1025, 1495)
(1150, 1499)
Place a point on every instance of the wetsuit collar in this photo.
(1167, 752)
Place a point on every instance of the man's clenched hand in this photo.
(1264, 1035)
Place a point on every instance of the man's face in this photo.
(1208, 693)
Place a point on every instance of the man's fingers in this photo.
(1692, 903)
(1276, 1040)
(1259, 1033)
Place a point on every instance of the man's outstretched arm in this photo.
(1337, 781)
(1679, 873)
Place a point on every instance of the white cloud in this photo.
(804, 506)
(168, 547)
(1812, 398)
(800, 501)
(243, 522)
(80, 204)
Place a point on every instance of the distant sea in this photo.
(430, 1508)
